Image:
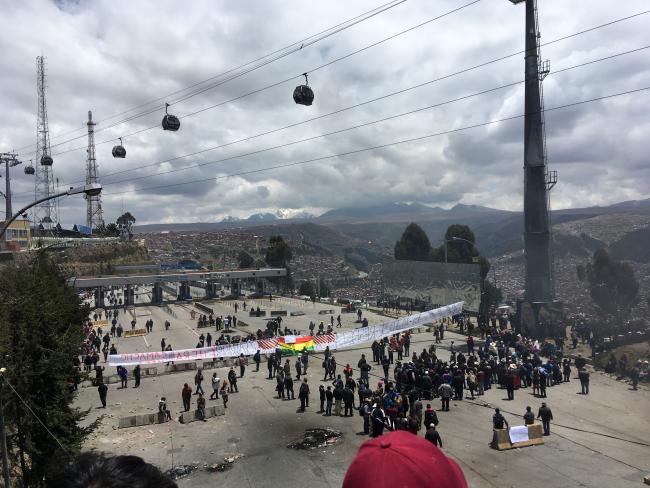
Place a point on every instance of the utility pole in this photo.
(537, 181)
(10, 161)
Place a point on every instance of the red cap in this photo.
(401, 459)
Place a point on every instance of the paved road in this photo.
(599, 440)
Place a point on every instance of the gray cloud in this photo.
(111, 55)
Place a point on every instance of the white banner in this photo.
(268, 346)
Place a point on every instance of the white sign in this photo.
(519, 434)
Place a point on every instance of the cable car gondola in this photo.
(119, 151)
(29, 170)
(303, 95)
(46, 160)
(170, 122)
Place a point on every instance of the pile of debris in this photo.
(314, 438)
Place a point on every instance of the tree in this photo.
(490, 297)
(307, 289)
(39, 366)
(323, 288)
(279, 253)
(612, 286)
(414, 244)
(245, 260)
(125, 223)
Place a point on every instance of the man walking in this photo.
(433, 436)
(216, 383)
(198, 379)
(103, 392)
(583, 375)
(136, 375)
(546, 415)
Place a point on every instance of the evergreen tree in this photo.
(279, 253)
(245, 260)
(612, 286)
(40, 334)
(414, 244)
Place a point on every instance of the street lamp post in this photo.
(91, 190)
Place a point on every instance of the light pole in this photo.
(91, 190)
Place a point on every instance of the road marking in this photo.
(145, 341)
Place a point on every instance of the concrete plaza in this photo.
(597, 440)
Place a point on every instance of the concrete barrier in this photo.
(326, 312)
(241, 323)
(501, 438)
(278, 313)
(140, 420)
(212, 411)
(297, 314)
(255, 313)
(135, 333)
(203, 308)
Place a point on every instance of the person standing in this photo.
(529, 417)
(338, 398)
(329, 397)
(198, 379)
(200, 408)
(288, 386)
(378, 420)
(224, 394)
(257, 358)
(216, 382)
(546, 415)
(102, 389)
(566, 370)
(498, 420)
(348, 401)
(583, 375)
(124, 376)
(186, 395)
(433, 436)
(242, 365)
(269, 365)
(445, 393)
(303, 395)
(136, 375)
(509, 381)
(321, 394)
(232, 377)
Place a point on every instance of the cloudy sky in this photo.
(111, 56)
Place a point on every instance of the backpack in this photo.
(361, 410)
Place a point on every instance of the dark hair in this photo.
(93, 470)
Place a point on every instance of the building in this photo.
(18, 236)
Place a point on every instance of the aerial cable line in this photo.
(382, 146)
(294, 47)
(586, 63)
(465, 70)
(293, 77)
(340, 131)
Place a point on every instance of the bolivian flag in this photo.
(292, 345)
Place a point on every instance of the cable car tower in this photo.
(94, 213)
(538, 181)
(45, 213)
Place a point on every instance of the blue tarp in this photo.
(82, 229)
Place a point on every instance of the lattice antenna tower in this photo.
(44, 214)
(94, 213)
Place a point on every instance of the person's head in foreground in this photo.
(92, 470)
(401, 459)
